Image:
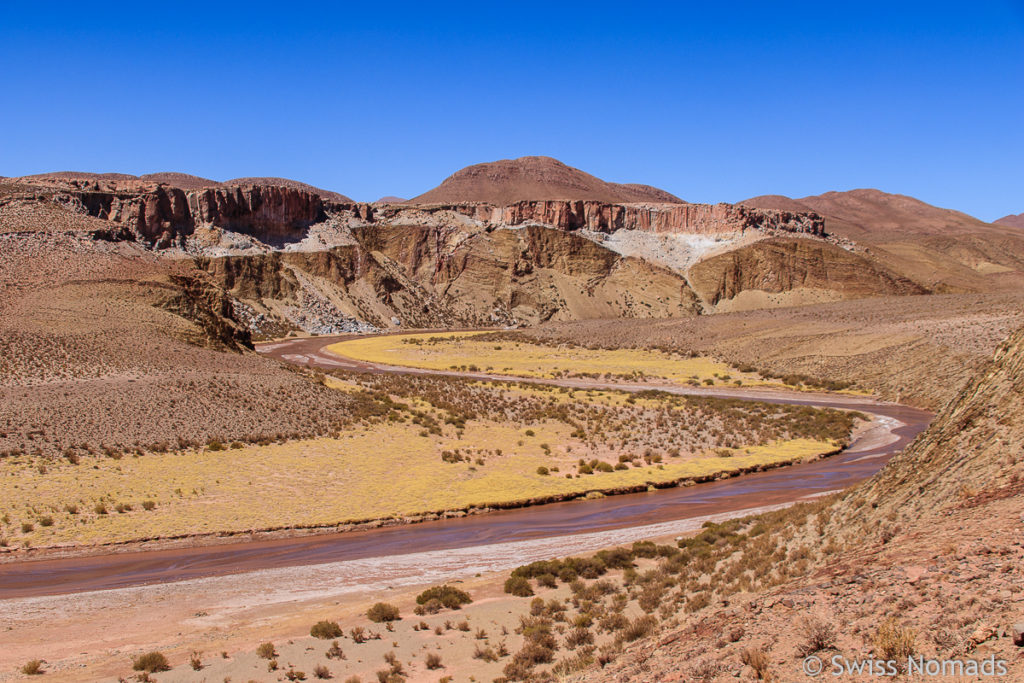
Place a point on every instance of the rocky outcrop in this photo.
(162, 214)
(781, 265)
(704, 219)
(263, 211)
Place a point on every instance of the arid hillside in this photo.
(531, 178)
(922, 561)
(109, 346)
(939, 249)
(913, 349)
(1016, 221)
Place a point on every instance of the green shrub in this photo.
(382, 611)
(448, 596)
(326, 630)
(518, 586)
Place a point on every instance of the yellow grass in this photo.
(387, 471)
(462, 351)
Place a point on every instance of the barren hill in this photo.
(868, 214)
(923, 560)
(939, 249)
(534, 178)
(1012, 221)
(182, 181)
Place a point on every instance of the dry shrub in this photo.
(893, 641)
(382, 612)
(321, 671)
(818, 635)
(266, 651)
(485, 653)
(756, 659)
(706, 670)
(433, 661)
(325, 630)
(518, 586)
(151, 662)
(33, 667)
(638, 628)
(579, 636)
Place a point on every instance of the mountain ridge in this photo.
(507, 181)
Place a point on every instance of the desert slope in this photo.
(921, 561)
(939, 249)
(1012, 221)
(534, 178)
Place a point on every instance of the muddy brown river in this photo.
(894, 427)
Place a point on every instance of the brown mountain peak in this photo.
(534, 178)
(1011, 221)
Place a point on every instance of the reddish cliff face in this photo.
(604, 217)
(265, 211)
(161, 214)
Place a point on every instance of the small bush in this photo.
(151, 662)
(33, 667)
(756, 660)
(893, 641)
(27, 527)
(293, 675)
(638, 628)
(321, 671)
(543, 471)
(432, 606)
(433, 661)
(46, 521)
(448, 596)
(358, 635)
(148, 505)
(518, 586)
(195, 660)
(266, 651)
(485, 653)
(382, 611)
(100, 509)
(818, 635)
(326, 630)
(335, 651)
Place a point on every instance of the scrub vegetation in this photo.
(412, 446)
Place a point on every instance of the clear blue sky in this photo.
(712, 104)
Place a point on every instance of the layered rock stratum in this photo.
(518, 242)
